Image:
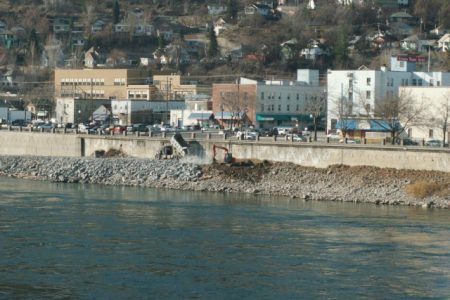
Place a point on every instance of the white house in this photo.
(216, 9)
(360, 90)
(444, 42)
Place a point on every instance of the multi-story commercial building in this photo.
(103, 84)
(356, 93)
(272, 103)
(170, 87)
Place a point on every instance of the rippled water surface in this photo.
(86, 241)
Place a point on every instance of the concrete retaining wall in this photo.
(313, 155)
(39, 144)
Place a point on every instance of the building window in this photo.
(287, 107)
(369, 80)
(262, 95)
(262, 107)
(438, 83)
(368, 94)
(298, 96)
(431, 82)
(273, 107)
(297, 108)
(419, 82)
(414, 82)
(430, 133)
(409, 132)
(279, 107)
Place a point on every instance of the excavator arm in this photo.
(215, 147)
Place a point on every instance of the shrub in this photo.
(422, 189)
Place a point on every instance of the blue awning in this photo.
(349, 124)
(383, 125)
(367, 125)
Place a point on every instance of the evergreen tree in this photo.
(213, 49)
(116, 12)
(341, 48)
(232, 9)
(161, 42)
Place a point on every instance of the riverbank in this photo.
(336, 183)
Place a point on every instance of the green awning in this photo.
(42, 113)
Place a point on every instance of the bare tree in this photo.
(236, 103)
(342, 109)
(315, 107)
(395, 113)
(442, 118)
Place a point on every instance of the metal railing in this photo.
(215, 135)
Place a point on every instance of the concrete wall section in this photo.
(324, 156)
(141, 147)
(39, 144)
(320, 156)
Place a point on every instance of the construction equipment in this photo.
(177, 148)
(179, 144)
(228, 157)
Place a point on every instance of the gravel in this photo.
(336, 183)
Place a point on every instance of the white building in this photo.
(138, 111)
(359, 90)
(436, 112)
(444, 43)
(283, 103)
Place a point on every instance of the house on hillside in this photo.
(264, 10)
(314, 50)
(61, 25)
(217, 8)
(166, 32)
(402, 17)
(220, 25)
(196, 43)
(289, 49)
(94, 57)
(172, 54)
(415, 44)
(98, 26)
(444, 43)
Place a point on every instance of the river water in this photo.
(96, 242)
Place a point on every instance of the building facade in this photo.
(356, 93)
(434, 122)
(103, 84)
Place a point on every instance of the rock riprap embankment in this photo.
(111, 171)
(336, 183)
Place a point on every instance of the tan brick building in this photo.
(103, 84)
(170, 87)
(231, 100)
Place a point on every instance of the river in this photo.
(100, 242)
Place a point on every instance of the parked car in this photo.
(46, 126)
(250, 135)
(19, 123)
(349, 141)
(268, 132)
(119, 129)
(410, 142)
(433, 143)
(137, 128)
(296, 138)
